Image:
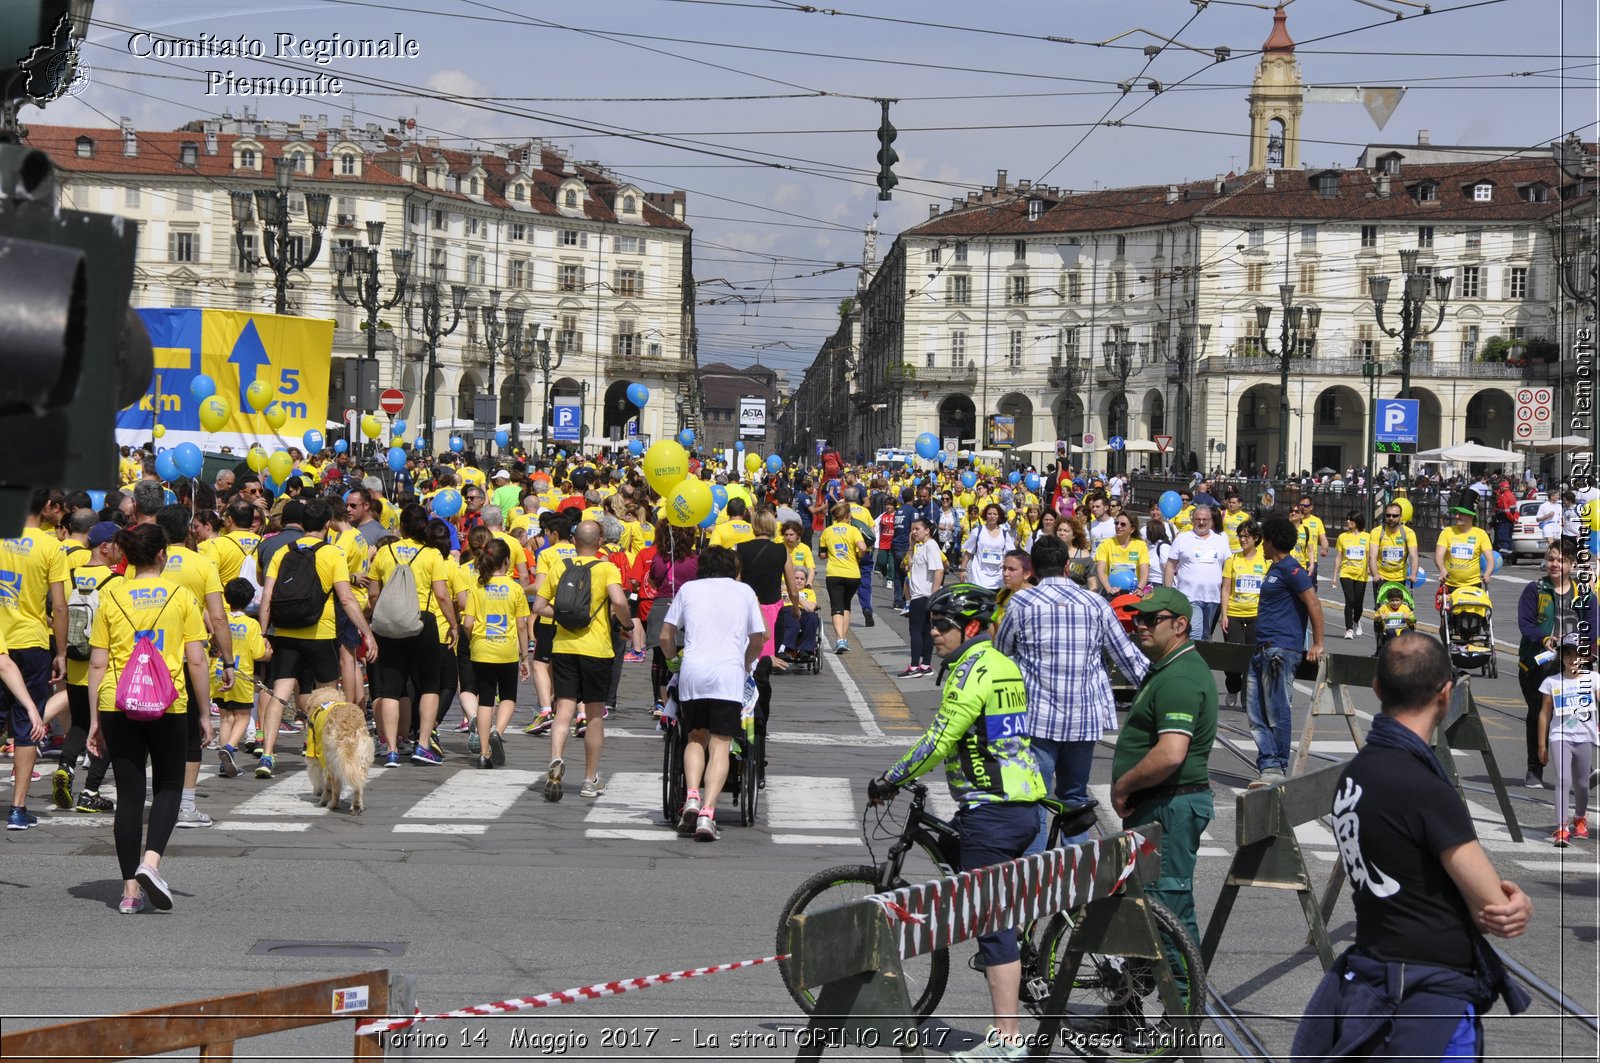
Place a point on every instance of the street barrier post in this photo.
(1335, 673)
(1463, 729)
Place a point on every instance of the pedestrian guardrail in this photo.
(1463, 729)
(854, 951)
(215, 1024)
(1335, 674)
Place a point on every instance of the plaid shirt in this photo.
(1057, 633)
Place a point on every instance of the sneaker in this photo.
(380, 750)
(464, 726)
(593, 787)
(687, 818)
(155, 887)
(485, 762)
(1533, 781)
(91, 801)
(61, 787)
(392, 760)
(193, 817)
(705, 828)
(131, 905)
(474, 743)
(541, 723)
(497, 748)
(1231, 701)
(424, 755)
(869, 620)
(20, 819)
(658, 711)
(924, 669)
(1349, 632)
(1561, 837)
(903, 610)
(1269, 777)
(990, 1047)
(1580, 827)
(634, 657)
(580, 726)
(1360, 631)
(552, 779)
(287, 728)
(264, 769)
(841, 646)
(228, 768)
(405, 747)
(605, 713)
(50, 744)
(911, 672)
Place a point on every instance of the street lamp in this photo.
(534, 352)
(1577, 264)
(1300, 324)
(273, 206)
(1413, 308)
(359, 266)
(499, 335)
(1182, 359)
(1122, 360)
(434, 328)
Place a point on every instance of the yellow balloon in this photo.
(276, 415)
(1404, 506)
(259, 393)
(159, 431)
(753, 462)
(689, 503)
(214, 412)
(256, 459)
(280, 465)
(370, 427)
(665, 464)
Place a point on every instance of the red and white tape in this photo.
(565, 996)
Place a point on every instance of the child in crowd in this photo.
(236, 702)
(1567, 736)
(1395, 613)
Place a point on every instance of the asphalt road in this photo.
(483, 891)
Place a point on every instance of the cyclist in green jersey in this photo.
(979, 734)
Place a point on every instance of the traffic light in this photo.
(886, 155)
(73, 351)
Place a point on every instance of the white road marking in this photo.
(75, 821)
(815, 839)
(232, 825)
(800, 802)
(1566, 867)
(662, 833)
(474, 795)
(440, 828)
(852, 693)
(632, 798)
(284, 797)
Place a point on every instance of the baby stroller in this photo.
(1389, 623)
(1468, 630)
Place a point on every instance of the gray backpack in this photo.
(396, 615)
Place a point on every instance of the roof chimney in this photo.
(933, 210)
(1218, 185)
(1271, 179)
(1172, 193)
(1423, 137)
(211, 125)
(1000, 180)
(1024, 184)
(1383, 186)
(130, 139)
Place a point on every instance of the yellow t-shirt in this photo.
(427, 565)
(248, 647)
(388, 515)
(331, 570)
(472, 476)
(193, 570)
(76, 554)
(1247, 574)
(800, 557)
(1230, 525)
(732, 532)
(495, 609)
(1394, 620)
(128, 471)
(1352, 548)
(1393, 549)
(862, 515)
(1304, 545)
(594, 640)
(153, 606)
(548, 564)
(1462, 554)
(1119, 558)
(353, 546)
(1184, 521)
(1316, 531)
(29, 565)
(86, 578)
(518, 555)
(840, 543)
(228, 552)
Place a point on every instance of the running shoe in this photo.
(552, 779)
(193, 817)
(593, 787)
(633, 657)
(841, 646)
(228, 768)
(497, 749)
(131, 905)
(380, 750)
(61, 787)
(924, 669)
(658, 710)
(1561, 837)
(870, 619)
(911, 672)
(287, 728)
(464, 726)
(485, 762)
(541, 723)
(20, 819)
(474, 744)
(263, 770)
(91, 801)
(688, 817)
(580, 726)
(424, 755)
(392, 760)
(605, 713)
(51, 744)
(705, 828)
(1580, 827)
(155, 887)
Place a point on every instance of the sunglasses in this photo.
(1123, 524)
(1152, 619)
(1391, 516)
(943, 624)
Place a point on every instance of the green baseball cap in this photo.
(1165, 599)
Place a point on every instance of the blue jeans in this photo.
(1205, 619)
(864, 592)
(1064, 766)
(1269, 701)
(994, 834)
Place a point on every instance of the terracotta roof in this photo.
(160, 152)
(1279, 40)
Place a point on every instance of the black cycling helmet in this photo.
(963, 602)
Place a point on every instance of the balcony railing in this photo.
(644, 363)
(1420, 367)
(906, 375)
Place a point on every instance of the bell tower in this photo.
(1277, 98)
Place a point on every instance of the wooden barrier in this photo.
(1335, 673)
(1463, 729)
(214, 1025)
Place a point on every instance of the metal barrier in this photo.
(853, 951)
(214, 1025)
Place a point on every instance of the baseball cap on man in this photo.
(502, 474)
(1165, 599)
(103, 533)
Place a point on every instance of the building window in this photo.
(932, 359)
(1019, 250)
(1067, 344)
(472, 328)
(475, 272)
(472, 187)
(569, 278)
(183, 297)
(960, 255)
(1014, 350)
(570, 200)
(958, 290)
(1250, 342)
(182, 246)
(1366, 346)
(627, 283)
(628, 205)
(568, 339)
(347, 164)
(414, 215)
(185, 199)
(1427, 192)
(241, 260)
(439, 221)
(627, 245)
(958, 349)
(1482, 192)
(437, 261)
(1471, 278)
(85, 147)
(1308, 280)
(1328, 186)
(1122, 246)
(1119, 285)
(517, 273)
(1517, 282)
(1369, 236)
(1075, 287)
(1422, 351)
(1474, 239)
(1469, 343)
(1258, 237)
(519, 192)
(472, 226)
(1425, 236)
(626, 342)
(247, 159)
(933, 256)
(1253, 275)
(1308, 237)
(1519, 241)
(130, 198)
(1017, 290)
(574, 238)
(1537, 193)
(519, 231)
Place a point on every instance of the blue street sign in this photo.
(633, 429)
(1116, 442)
(1398, 421)
(568, 426)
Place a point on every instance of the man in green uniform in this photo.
(1159, 772)
(980, 736)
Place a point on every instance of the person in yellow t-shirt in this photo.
(736, 529)
(1122, 562)
(472, 476)
(1393, 556)
(86, 578)
(349, 541)
(33, 610)
(1232, 517)
(1463, 552)
(496, 620)
(1353, 548)
(841, 545)
(1242, 576)
(546, 569)
(1316, 535)
(236, 701)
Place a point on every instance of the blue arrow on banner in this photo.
(249, 354)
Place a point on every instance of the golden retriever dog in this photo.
(338, 749)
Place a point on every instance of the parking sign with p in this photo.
(1397, 426)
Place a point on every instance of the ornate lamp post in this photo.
(1577, 264)
(1183, 358)
(272, 204)
(434, 329)
(359, 267)
(1300, 324)
(1413, 309)
(536, 353)
(1122, 360)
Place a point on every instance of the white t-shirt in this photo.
(715, 619)
(925, 561)
(1199, 568)
(1549, 518)
(1101, 530)
(1573, 707)
(988, 555)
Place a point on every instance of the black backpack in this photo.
(298, 597)
(574, 592)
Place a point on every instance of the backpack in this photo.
(298, 598)
(574, 592)
(81, 608)
(144, 689)
(396, 615)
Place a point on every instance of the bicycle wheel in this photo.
(1114, 1011)
(749, 791)
(672, 781)
(925, 975)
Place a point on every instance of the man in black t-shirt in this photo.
(1420, 975)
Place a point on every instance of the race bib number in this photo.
(1578, 704)
(1247, 585)
(1461, 551)
(991, 556)
(1206, 557)
(1354, 553)
(1393, 555)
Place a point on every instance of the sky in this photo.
(764, 112)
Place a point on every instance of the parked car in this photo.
(1526, 539)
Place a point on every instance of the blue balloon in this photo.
(165, 467)
(738, 444)
(188, 460)
(941, 457)
(927, 445)
(1170, 503)
(397, 459)
(501, 438)
(97, 499)
(1015, 477)
(719, 498)
(1496, 560)
(399, 426)
(710, 521)
(269, 483)
(636, 448)
(340, 446)
(686, 438)
(447, 503)
(638, 394)
(1422, 577)
(969, 479)
(1123, 580)
(774, 463)
(168, 498)
(313, 440)
(457, 444)
(202, 387)
(1032, 481)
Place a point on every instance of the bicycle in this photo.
(1113, 1011)
(674, 786)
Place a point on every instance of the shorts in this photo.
(586, 680)
(34, 664)
(414, 660)
(493, 682)
(313, 662)
(346, 633)
(544, 642)
(465, 666)
(191, 728)
(840, 591)
(719, 717)
(660, 606)
(235, 706)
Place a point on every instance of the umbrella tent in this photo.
(1472, 452)
(1560, 443)
(1141, 446)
